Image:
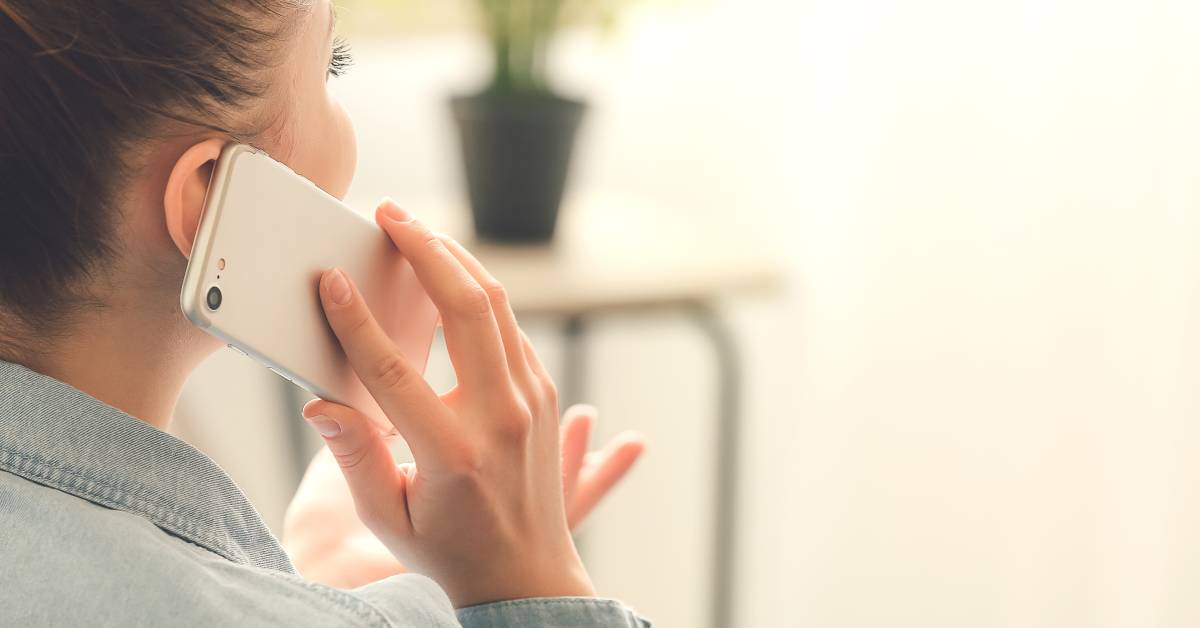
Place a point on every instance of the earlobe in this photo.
(183, 200)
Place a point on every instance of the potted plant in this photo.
(517, 135)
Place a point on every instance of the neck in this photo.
(134, 359)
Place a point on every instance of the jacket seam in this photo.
(360, 607)
(74, 482)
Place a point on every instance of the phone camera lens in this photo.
(214, 298)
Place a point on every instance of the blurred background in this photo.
(903, 295)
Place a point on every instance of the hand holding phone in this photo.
(481, 508)
(264, 239)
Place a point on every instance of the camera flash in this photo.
(221, 264)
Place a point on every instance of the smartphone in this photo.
(264, 239)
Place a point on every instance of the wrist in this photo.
(565, 579)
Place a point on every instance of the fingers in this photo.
(601, 473)
(401, 391)
(510, 332)
(535, 363)
(472, 336)
(539, 372)
(364, 459)
(577, 427)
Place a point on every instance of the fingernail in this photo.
(394, 212)
(325, 426)
(339, 288)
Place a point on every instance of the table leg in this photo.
(726, 466)
(573, 385)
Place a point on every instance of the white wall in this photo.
(975, 403)
(992, 212)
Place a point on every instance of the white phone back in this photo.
(276, 233)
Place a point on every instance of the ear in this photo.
(184, 199)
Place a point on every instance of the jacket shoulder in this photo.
(56, 545)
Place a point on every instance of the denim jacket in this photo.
(107, 521)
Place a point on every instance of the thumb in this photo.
(365, 461)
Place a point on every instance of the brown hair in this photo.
(82, 82)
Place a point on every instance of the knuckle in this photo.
(465, 462)
(550, 393)
(473, 302)
(497, 294)
(350, 458)
(533, 400)
(358, 321)
(391, 372)
(429, 239)
(515, 421)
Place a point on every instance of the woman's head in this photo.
(111, 112)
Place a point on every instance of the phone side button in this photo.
(272, 369)
(237, 350)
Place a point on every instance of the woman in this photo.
(111, 114)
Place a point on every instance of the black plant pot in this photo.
(516, 153)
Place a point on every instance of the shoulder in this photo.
(57, 545)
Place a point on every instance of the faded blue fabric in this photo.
(107, 521)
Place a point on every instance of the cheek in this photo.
(346, 142)
(326, 150)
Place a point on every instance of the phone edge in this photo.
(190, 301)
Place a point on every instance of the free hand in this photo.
(589, 476)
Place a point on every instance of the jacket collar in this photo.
(57, 436)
